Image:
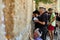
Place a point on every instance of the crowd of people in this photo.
(45, 22)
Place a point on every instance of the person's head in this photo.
(36, 13)
(50, 10)
(56, 13)
(41, 9)
(36, 33)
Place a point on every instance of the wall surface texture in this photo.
(15, 19)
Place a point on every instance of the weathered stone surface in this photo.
(17, 18)
(58, 6)
(23, 15)
(2, 26)
(8, 13)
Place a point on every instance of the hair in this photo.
(36, 12)
(50, 9)
(56, 13)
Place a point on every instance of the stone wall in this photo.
(58, 6)
(22, 19)
(15, 19)
(8, 15)
(2, 25)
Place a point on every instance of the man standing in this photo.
(42, 22)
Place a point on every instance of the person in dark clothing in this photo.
(35, 15)
(42, 22)
(57, 19)
(57, 16)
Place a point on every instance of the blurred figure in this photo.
(52, 23)
(42, 22)
(37, 34)
(57, 16)
(35, 15)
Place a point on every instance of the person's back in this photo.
(42, 18)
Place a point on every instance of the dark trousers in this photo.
(44, 33)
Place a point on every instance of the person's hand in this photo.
(36, 20)
(37, 29)
(49, 23)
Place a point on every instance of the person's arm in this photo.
(54, 18)
(43, 22)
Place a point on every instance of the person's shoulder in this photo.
(45, 14)
(38, 16)
(53, 14)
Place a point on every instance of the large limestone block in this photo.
(23, 16)
(2, 26)
(8, 15)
